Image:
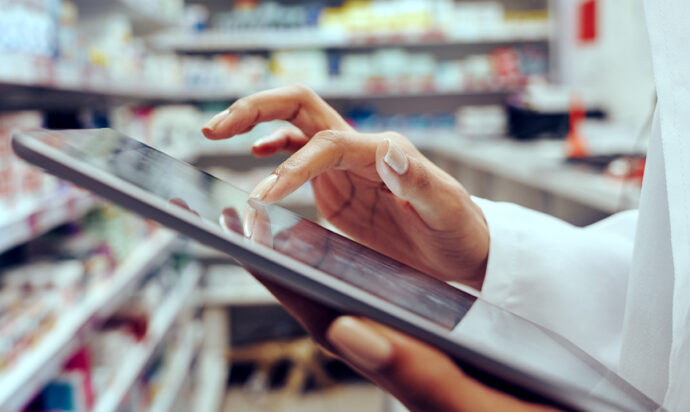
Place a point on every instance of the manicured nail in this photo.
(395, 158)
(262, 189)
(215, 120)
(262, 141)
(360, 344)
(249, 221)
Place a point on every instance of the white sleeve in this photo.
(568, 279)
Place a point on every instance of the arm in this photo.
(568, 279)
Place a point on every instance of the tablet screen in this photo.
(222, 203)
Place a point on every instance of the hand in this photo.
(421, 377)
(377, 188)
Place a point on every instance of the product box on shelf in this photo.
(29, 27)
(20, 184)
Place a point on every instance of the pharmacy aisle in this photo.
(104, 311)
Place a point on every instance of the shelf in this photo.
(239, 288)
(145, 17)
(30, 83)
(34, 82)
(134, 364)
(178, 372)
(358, 92)
(41, 215)
(214, 372)
(216, 41)
(540, 165)
(43, 362)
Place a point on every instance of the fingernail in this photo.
(262, 189)
(211, 124)
(359, 343)
(261, 141)
(395, 158)
(248, 222)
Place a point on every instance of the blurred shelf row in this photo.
(218, 41)
(29, 82)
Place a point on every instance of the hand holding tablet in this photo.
(420, 376)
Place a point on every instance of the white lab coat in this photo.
(620, 289)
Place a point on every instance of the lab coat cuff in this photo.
(505, 255)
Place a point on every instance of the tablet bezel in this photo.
(303, 278)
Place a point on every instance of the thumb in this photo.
(420, 376)
(433, 194)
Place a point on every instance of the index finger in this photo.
(296, 104)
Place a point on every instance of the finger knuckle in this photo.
(242, 104)
(329, 136)
(303, 92)
(393, 135)
(293, 167)
(421, 180)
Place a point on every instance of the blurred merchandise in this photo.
(29, 27)
(57, 273)
(543, 110)
(21, 185)
(366, 20)
(94, 378)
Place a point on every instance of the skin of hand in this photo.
(376, 188)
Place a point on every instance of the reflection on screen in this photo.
(300, 239)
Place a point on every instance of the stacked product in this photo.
(56, 274)
(368, 20)
(21, 185)
(386, 70)
(96, 368)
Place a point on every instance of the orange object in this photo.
(575, 144)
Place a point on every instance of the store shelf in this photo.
(239, 288)
(360, 92)
(41, 215)
(30, 82)
(540, 165)
(178, 372)
(162, 321)
(214, 374)
(45, 360)
(216, 41)
(146, 17)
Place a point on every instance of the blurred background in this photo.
(546, 103)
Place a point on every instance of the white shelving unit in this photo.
(239, 288)
(177, 374)
(62, 79)
(39, 365)
(314, 38)
(541, 165)
(145, 16)
(42, 215)
(160, 325)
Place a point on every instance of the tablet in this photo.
(491, 344)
